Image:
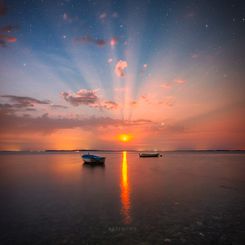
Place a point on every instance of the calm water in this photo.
(181, 198)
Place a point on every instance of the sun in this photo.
(124, 137)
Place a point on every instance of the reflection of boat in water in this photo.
(93, 159)
(149, 154)
(93, 166)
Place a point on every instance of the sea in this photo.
(179, 198)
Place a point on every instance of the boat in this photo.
(93, 159)
(149, 154)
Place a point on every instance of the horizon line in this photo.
(118, 150)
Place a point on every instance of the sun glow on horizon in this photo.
(125, 137)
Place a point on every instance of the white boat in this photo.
(149, 154)
(93, 159)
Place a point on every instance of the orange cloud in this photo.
(12, 123)
(168, 101)
(120, 67)
(180, 81)
(110, 105)
(166, 85)
(133, 103)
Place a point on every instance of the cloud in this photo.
(110, 105)
(145, 98)
(14, 124)
(12, 108)
(4, 39)
(30, 109)
(172, 128)
(100, 42)
(8, 28)
(81, 97)
(166, 85)
(45, 124)
(69, 18)
(109, 60)
(103, 16)
(3, 8)
(168, 101)
(115, 15)
(23, 101)
(133, 103)
(89, 98)
(3, 43)
(120, 67)
(11, 123)
(20, 103)
(194, 56)
(89, 39)
(141, 100)
(58, 106)
(10, 39)
(143, 69)
(7, 108)
(65, 16)
(180, 81)
(113, 42)
(97, 41)
(149, 99)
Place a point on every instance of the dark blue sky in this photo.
(192, 25)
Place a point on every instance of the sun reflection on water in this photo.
(125, 197)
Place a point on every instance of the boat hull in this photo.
(92, 159)
(149, 154)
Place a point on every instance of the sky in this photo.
(143, 75)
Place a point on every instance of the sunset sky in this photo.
(166, 75)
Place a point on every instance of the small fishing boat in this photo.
(93, 159)
(149, 154)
